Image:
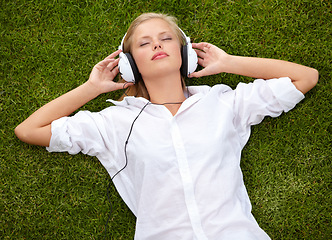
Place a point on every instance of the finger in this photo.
(103, 64)
(200, 62)
(200, 45)
(112, 63)
(194, 75)
(198, 74)
(113, 72)
(127, 84)
(197, 45)
(124, 85)
(200, 53)
(116, 70)
(114, 54)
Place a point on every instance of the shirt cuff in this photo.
(286, 93)
(60, 139)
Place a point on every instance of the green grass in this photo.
(49, 47)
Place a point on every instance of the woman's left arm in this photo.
(214, 60)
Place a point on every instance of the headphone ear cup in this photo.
(134, 67)
(128, 68)
(189, 60)
(184, 66)
(192, 59)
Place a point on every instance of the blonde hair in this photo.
(139, 89)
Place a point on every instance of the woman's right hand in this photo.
(103, 74)
(36, 129)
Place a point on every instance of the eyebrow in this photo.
(161, 33)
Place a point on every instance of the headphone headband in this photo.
(187, 39)
(121, 45)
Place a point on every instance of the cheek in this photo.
(176, 50)
(140, 58)
(178, 56)
(137, 56)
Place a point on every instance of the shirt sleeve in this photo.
(84, 132)
(254, 101)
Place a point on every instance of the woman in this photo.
(173, 153)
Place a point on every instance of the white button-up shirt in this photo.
(183, 178)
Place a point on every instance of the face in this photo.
(156, 49)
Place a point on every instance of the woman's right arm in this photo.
(36, 129)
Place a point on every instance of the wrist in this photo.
(90, 89)
(230, 63)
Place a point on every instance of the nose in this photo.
(156, 45)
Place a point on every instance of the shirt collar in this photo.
(195, 93)
(130, 100)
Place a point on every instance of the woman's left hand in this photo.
(211, 58)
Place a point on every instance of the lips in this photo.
(159, 55)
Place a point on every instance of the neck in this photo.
(167, 91)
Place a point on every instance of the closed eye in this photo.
(143, 44)
(163, 39)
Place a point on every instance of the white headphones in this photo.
(129, 71)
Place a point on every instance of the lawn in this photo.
(49, 47)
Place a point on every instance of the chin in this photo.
(163, 72)
(165, 69)
(160, 68)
